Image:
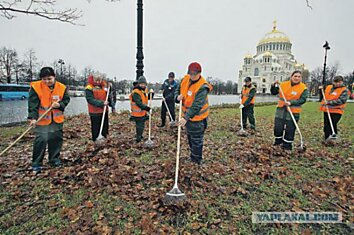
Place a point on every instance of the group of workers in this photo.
(48, 99)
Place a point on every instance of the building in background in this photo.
(273, 61)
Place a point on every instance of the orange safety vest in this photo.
(135, 110)
(291, 93)
(46, 97)
(245, 94)
(333, 96)
(188, 92)
(99, 93)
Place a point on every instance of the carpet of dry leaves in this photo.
(118, 188)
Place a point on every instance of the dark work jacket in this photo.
(169, 90)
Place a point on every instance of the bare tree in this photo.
(8, 60)
(71, 74)
(30, 64)
(41, 8)
(317, 75)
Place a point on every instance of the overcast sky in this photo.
(216, 33)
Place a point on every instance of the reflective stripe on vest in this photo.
(46, 97)
(245, 94)
(189, 92)
(135, 111)
(99, 93)
(333, 96)
(291, 93)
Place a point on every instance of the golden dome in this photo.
(267, 53)
(248, 56)
(274, 36)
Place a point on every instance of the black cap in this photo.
(247, 79)
(46, 72)
(338, 79)
(171, 75)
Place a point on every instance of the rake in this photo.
(149, 143)
(26, 131)
(176, 195)
(241, 132)
(101, 139)
(302, 147)
(173, 122)
(334, 135)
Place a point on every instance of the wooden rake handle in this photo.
(25, 132)
(178, 143)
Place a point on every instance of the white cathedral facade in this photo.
(273, 61)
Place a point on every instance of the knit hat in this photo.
(142, 79)
(338, 79)
(171, 75)
(195, 67)
(46, 72)
(248, 79)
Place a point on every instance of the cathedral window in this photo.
(256, 72)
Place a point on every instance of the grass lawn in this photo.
(118, 189)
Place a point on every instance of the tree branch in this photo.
(308, 4)
(68, 15)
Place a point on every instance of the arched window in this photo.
(256, 72)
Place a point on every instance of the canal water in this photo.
(16, 111)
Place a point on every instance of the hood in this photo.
(91, 81)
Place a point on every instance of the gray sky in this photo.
(217, 33)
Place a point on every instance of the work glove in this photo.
(241, 106)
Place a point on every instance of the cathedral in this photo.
(273, 61)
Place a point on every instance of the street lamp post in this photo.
(326, 47)
(61, 62)
(139, 53)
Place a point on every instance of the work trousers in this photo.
(286, 139)
(139, 126)
(54, 141)
(335, 117)
(195, 134)
(171, 107)
(248, 113)
(96, 125)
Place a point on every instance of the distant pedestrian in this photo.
(168, 88)
(43, 95)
